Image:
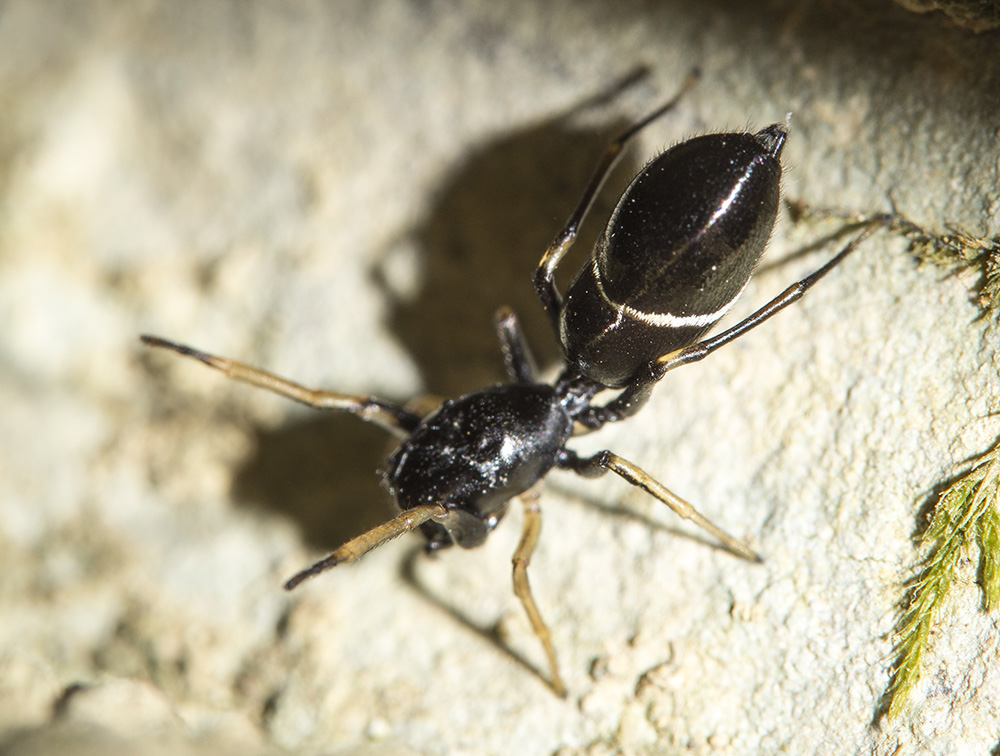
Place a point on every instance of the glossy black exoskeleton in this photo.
(673, 260)
(482, 450)
(674, 257)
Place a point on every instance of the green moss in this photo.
(966, 513)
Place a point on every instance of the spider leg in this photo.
(516, 353)
(522, 589)
(356, 548)
(602, 462)
(393, 418)
(545, 284)
(631, 400)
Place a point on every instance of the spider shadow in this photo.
(650, 522)
(321, 471)
(478, 247)
(491, 633)
(491, 220)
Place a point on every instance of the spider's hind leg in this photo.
(522, 589)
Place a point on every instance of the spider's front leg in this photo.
(393, 418)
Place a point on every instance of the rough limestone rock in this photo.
(344, 192)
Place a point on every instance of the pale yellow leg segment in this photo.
(522, 557)
(641, 479)
(393, 419)
(358, 547)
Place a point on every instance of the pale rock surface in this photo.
(344, 192)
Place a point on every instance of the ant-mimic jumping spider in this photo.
(676, 254)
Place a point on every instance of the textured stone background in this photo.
(344, 192)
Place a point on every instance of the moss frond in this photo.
(966, 513)
(989, 546)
